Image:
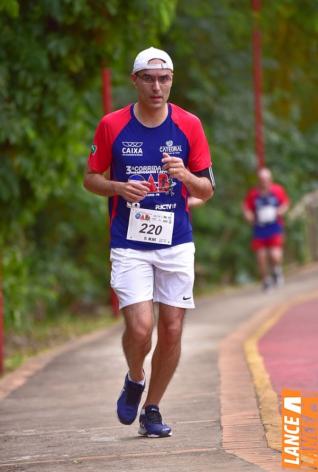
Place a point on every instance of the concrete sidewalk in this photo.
(62, 419)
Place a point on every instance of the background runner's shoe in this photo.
(128, 401)
(278, 276)
(151, 424)
(267, 283)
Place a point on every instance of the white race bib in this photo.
(151, 226)
(266, 214)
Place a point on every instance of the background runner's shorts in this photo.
(162, 275)
(277, 240)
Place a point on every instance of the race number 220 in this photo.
(150, 226)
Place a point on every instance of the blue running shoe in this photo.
(151, 424)
(128, 401)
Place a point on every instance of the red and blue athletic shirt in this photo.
(264, 207)
(134, 151)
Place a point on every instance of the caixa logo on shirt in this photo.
(132, 148)
(171, 148)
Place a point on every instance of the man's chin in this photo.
(157, 101)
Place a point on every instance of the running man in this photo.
(148, 157)
(264, 207)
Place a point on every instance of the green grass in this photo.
(22, 344)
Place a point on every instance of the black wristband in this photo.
(208, 173)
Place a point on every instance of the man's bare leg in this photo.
(261, 256)
(136, 339)
(136, 345)
(276, 259)
(262, 261)
(167, 352)
(276, 255)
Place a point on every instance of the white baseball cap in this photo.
(143, 58)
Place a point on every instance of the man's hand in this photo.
(199, 187)
(133, 191)
(282, 209)
(249, 215)
(175, 167)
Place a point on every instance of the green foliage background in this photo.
(53, 237)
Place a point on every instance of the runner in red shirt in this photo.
(264, 207)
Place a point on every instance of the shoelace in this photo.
(134, 392)
(154, 416)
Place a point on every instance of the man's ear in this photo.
(133, 79)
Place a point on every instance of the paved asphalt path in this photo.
(62, 419)
(299, 323)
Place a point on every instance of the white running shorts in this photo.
(162, 275)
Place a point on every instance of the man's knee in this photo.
(276, 254)
(140, 333)
(170, 333)
(139, 322)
